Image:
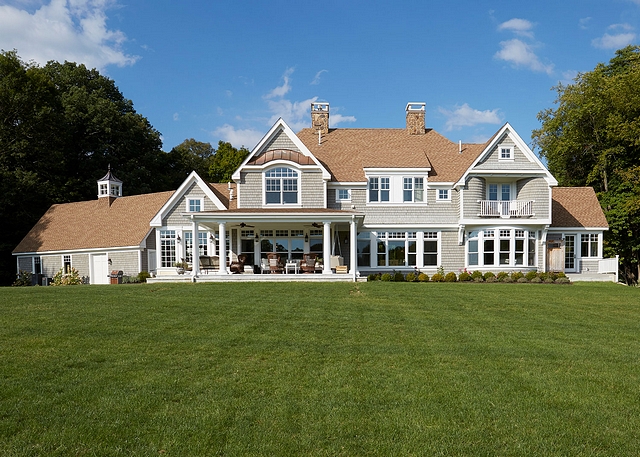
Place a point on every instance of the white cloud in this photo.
(176, 116)
(623, 26)
(521, 54)
(281, 91)
(295, 113)
(316, 78)
(569, 76)
(618, 41)
(520, 27)
(465, 116)
(74, 30)
(238, 137)
(584, 22)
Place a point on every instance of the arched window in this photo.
(281, 186)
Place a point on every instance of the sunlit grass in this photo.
(320, 369)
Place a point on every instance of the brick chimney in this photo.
(320, 117)
(415, 118)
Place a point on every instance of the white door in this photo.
(100, 269)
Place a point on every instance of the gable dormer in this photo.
(281, 172)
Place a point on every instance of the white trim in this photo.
(180, 193)
(343, 200)
(511, 150)
(279, 126)
(187, 204)
(528, 153)
(438, 199)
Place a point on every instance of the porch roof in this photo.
(276, 215)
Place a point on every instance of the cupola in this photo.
(109, 187)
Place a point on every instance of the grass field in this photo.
(320, 370)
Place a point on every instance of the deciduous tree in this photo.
(592, 137)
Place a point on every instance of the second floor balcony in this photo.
(506, 208)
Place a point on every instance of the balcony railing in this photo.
(506, 209)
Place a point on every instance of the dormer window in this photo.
(281, 186)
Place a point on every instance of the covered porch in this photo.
(251, 240)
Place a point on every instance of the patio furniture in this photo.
(275, 265)
(209, 263)
(237, 263)
(308, 264)
(264, 266)
(292, 265)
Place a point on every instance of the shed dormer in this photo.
(109, 186)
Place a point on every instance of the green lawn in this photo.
(320, 369)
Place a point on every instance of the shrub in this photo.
(561, 275)
(488, 275)
(411, 277)
(553, 275)
(491, 278)
(563, 280)
(501, 275)
(386, 277)
(536, 280)
(398, 276)
(67, 279)
(23, 278)
(143, 276)
(517, 275)
(543, 276)
(523, 280)
(477, 274)
(450, 277)
(478, 279)
(549, 280)
(531, 274)
(437, 278)
(506, 279)
(373, 277)
(423, 277)
(464, 276)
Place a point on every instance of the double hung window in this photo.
(379, 189)
(413, 189)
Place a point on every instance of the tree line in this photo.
(592, 138)
(61, 126)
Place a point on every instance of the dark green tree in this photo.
(225, 161)
(592, 138)
(61, 125)
(188, 156)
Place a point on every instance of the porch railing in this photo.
(609, 266)
(506, 209)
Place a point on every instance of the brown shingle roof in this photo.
(221, 189)
(345, 152)
(94, 224)
(576, 207)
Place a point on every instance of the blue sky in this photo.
(226, 70)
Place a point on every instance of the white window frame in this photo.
(343, 198)
(282, 180)
(496, 234)
(383, 184)
(508, 157)
(413, 187)
(428, 236)
(440, 198)
(591, 240)
(191, 199)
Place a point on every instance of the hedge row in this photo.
(476, 276)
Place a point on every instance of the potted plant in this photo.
(181, 267)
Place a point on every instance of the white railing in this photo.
(512, 208)
(609, 266)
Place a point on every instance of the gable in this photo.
(279, 144)
(195, 187)
(491, 162)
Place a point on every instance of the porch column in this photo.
(353, 249)
(195, 250)
(326, 248)
(222, 252)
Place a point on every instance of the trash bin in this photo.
(116, 276)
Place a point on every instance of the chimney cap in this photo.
(416, 106)
(320, 106)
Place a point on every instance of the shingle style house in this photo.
(375, 200)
